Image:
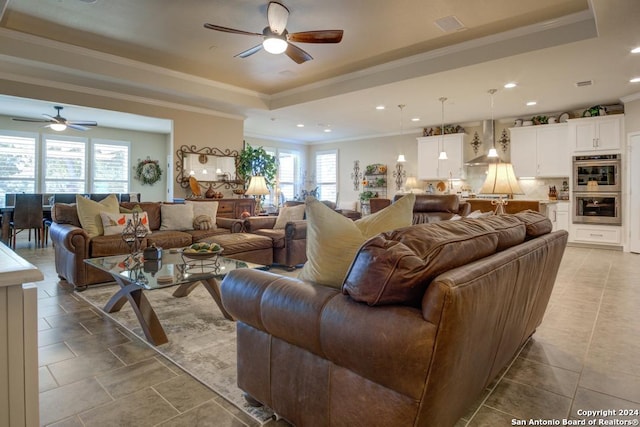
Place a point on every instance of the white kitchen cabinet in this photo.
(596, 133)
(562, 216)
(540, 151)
(429, 167)
(599, 234)
(558, 213)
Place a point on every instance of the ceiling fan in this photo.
(276, 38)
(58, 122)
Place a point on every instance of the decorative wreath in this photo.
(148, 171)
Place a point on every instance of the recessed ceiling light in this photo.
(415, 119)
(531, 103)
(300, 125)
(635, 50)
(510, 85)
(635, 80)
(380, 107)
(327, 130)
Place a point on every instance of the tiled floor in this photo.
(583, 357)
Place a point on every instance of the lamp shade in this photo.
(411, 183)
(592, 186)
(401, 158)
(501, 180)
(257, 186)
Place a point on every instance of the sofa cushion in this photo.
(277, 236)
(151, 208)
(209, 209)
(115, 223)
(110, 245)
(333, 239)
(289, 213)
(536, 223)
(176, 217)
(89, 213)
(169, 239)
(511, 231)
(396, 267)
(200, 235)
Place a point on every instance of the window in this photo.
(110, 167)
(327, 175)
(50, 163)
(17, 163)
(65, 164)
(288, 166)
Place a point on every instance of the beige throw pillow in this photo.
(289, 213)
(209, 209)
(89, 213)
(176, 217)
(115, 223)
(333, 239)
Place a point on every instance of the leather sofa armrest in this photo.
(296, 230)
(70, 238)
(235, 225)
(254, 223)
(464, 209)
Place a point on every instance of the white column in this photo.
(19, 404)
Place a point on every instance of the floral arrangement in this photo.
(148, 171)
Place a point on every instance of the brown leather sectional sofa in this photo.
(427, 317)
(72, 244)
(289, 243)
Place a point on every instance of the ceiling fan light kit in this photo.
(276, 38)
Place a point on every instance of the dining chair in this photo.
(27, 215)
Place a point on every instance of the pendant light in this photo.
(443, 153)
(493, 153)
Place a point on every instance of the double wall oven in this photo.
(597, 189)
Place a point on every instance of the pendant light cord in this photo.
(443, 153)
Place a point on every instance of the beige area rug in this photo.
(201, 340)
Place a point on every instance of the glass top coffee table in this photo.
(135, 275)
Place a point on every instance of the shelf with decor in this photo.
(374, 184)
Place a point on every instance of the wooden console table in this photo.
(19, 404)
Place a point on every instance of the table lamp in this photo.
(501, 180)
(257, 187)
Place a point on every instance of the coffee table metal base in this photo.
(147, 317)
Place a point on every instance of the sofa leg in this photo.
(252, 401)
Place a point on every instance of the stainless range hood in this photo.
(488, 135)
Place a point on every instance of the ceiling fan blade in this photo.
(230, 30)
(277, 15)
(54, 119)
(297, 54)
(321, 36)
(20, 119)
(81, 123)
(249, 52)
(77, 127)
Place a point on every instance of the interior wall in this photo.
(192, 128)
(384, 150)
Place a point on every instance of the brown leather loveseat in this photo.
(436, 207)
(412, 338)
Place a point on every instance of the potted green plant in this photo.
(366, 195)
(254, 161)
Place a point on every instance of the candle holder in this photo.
(133, 235)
